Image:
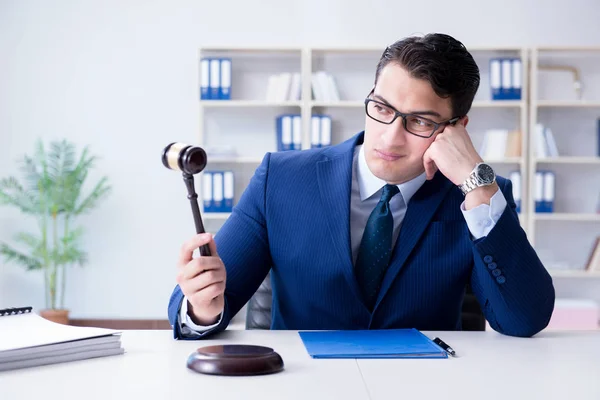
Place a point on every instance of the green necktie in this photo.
(375, 248)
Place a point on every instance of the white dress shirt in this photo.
(365, 194)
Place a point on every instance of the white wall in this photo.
(121, 76)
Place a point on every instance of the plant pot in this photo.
(58, 316)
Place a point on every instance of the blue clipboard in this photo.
(385, 343)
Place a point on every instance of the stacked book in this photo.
(28, 340)
(499, 144)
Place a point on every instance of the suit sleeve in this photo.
(513, 287)
(242, 243)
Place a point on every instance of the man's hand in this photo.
(453, 153)
(202, 280)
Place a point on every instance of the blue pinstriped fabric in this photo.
(294, 220)
(376, 247)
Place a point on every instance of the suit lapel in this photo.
(421, 209)
(334, 177)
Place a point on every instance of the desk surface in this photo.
(553, 365)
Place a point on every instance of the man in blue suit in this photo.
(384, 230)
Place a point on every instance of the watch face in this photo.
(486, 174)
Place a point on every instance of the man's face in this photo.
(392, 153)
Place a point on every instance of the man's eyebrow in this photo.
(418, 112)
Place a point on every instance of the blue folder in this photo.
(386, 343)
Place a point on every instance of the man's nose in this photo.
(395, 134)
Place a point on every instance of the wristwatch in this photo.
(482, 175)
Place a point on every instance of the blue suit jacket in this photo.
(294, 219)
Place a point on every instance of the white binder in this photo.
(495, 79)
(286, 132)
(548, 197)
(228, 190)
(506, 78)
(517, 80)
(539, 191)
(215, 78)
(295, 87)
(325, 130)
(296, 132)
(207, 186)
(515, 178)
(218, 191)
(204, 79)
(315, 131)
(225, 86)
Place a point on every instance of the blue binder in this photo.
(506, 78)
(515, 178)
(207, 191)
(516, 78)
(386, 343)
(214, 83)
(539, 191)
(225, 82)
(284, 132)
(496, 78)
(598, 138)
(205, 79)
(549, 193)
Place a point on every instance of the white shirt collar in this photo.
(369, 184)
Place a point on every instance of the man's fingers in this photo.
(430, 170)
(206, 295)
(187, 250)
(429, 165)
(206, 278)
(213, 247)
(198, 266)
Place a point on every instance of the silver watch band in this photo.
(481, 175)
(469, 184)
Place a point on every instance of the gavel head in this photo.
(186, 158)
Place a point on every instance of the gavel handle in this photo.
(193, 197)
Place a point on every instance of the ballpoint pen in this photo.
(444, 346)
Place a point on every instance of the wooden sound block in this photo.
(235, 359)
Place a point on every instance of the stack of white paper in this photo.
(28, 340)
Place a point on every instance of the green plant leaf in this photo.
(76, 179)
(101, 190)
(11, 192)
(11, 254)
(52, 191)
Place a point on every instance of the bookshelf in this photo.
(237, 132)
(565, 98)
(245, 127)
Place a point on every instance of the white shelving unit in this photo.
(503, 114)
(237, 133)
(246, 123)
(565, 237)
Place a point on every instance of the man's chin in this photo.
(392, 177)
(399, 174)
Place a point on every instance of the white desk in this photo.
(154, 367)
(490, 366)
(553, 365)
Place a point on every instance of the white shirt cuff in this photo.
(188, 327)
(482, 219)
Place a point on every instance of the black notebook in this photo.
(28, 340)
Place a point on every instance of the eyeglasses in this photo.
(415, 124)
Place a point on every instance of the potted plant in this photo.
(52, 192)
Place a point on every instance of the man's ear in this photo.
(464, 120)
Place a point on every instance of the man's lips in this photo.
(387, 156)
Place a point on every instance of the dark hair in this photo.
(442, 61)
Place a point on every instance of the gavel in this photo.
(227, 359)
(189, 160)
